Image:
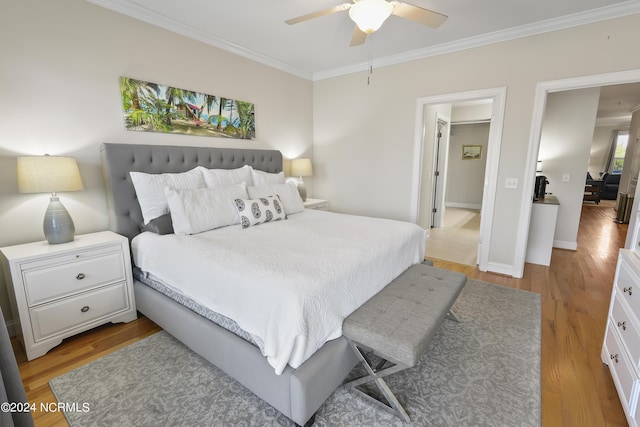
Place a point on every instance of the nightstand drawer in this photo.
(56, 281)
(59, 316)
(626, 326)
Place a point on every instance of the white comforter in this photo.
(289, 283)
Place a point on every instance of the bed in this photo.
(295, 381)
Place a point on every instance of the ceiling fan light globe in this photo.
(369, 15)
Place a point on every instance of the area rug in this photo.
(483, 371)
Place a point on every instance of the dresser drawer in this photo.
(627, 284)
(63, 315)
(624, 322)
(76, 275)
(621, 370)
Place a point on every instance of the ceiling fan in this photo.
(370, 14)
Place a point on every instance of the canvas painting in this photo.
(471, 152)
(153, 107)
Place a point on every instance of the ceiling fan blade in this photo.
(339, 8)
(417, 14)
(359, 36)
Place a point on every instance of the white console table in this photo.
(542, 228)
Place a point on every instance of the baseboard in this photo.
(463, 205)
(506, 269)
(11, 328)
(561, 244)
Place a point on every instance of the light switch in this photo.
(512, 183)
(566, 177)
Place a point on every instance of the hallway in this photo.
(457, 241)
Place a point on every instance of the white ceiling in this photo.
(319, 48)
(616, 104)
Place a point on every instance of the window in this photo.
(621, 149)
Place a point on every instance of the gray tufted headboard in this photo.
(125, 216)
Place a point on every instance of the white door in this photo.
(441, 150)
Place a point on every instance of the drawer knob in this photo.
(628, 290)
(84, 309)
(614, 357)
(80, 276)
(623, 325)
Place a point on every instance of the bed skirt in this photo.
(297, 393)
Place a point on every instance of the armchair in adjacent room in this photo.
(610, 184)
(591, 181)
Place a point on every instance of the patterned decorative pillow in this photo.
(258, 211)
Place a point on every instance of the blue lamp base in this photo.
(302, 190)
(58, 226)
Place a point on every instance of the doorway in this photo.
(543, 89)
(424, 169)
(457, 237)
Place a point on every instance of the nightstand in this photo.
(57, 291)
(319, 204)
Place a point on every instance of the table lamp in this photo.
(51, 174)
(300, 168)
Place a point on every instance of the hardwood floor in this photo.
(577, 389)
(72, 353)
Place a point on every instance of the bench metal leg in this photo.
(375, 375)
(451, 315)
(309, 423)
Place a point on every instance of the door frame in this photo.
(498, 96)
(540, 102)
(440, 157)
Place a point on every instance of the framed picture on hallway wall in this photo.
(471, 152)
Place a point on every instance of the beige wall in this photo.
(567, 135)
(364, 134)
(465, 178)
(60, 95)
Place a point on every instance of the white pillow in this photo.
(197, 210)
(150, 189)
(288, 194)
(220, 177)
(261, 178)
(259, 211)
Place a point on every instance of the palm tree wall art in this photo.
(152, 107)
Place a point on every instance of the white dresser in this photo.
(60, 290)
(621, 348)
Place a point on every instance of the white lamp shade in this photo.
(370, 14)
(48, 174)
(301, 167)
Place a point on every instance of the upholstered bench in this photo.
(397, 324)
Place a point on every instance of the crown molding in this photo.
(554, 24)
(135, 11)
(151, 17)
